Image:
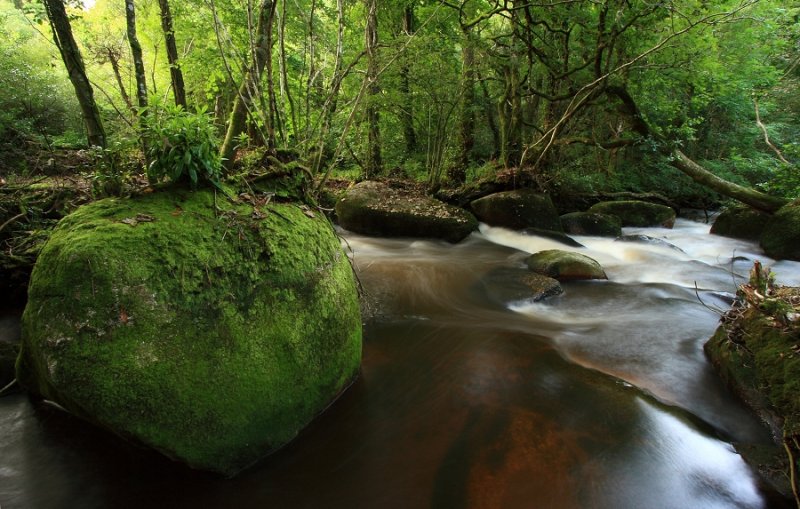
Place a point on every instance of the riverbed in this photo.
(473, 396)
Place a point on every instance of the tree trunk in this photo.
(71, 55)
(136, 53)
(373, 163)
(178, 88)
(466, 131)
(407, 111)
(682, 162)
(511, 111)
(113, 59)
(250, 83)
(751, 197)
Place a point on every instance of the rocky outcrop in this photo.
(740, 223)
(375, 208)
(591, 223)
(565, 265)
(780, 238)
(637, 213)
(517, 210)
(211, 330)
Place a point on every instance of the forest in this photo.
(584, 96)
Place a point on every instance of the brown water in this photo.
(471, 397)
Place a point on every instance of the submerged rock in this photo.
(637, 213)
(646, 239)
(210, 331)
(552, 235)
(506, 285)
(592, 223)
(375, 208)
(781, 236)
(565, 265)
(740, 223)
(517, 210)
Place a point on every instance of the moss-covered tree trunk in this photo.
(73, 61)
(682, 162)
(178, 88)
(249, 89)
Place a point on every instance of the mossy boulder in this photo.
(565, 265)
(780, 238)
(376, 208)
(754, 351)
(519, 209)
(212, 330)
(637, 213)
(591, 223)
(740, 223)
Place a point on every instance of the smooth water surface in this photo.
(472, 396)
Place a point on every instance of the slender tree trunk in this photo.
(136, 53)
(71, 55)
(407, 111)
(250, 83)
(114, 61)
(466, 131)
(373, 163)
(511, 111)
(490, 117)
(286, 92)
(178, 88)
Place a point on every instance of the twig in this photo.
(715, 310)
(5, 391)
(792, 469)
(3, 226)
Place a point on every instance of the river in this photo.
(472, 396)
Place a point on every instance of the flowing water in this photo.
(472, 396)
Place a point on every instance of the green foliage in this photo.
(181, 146)
(36, 100)
(113, 168)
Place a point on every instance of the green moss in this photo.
(565, 265)
(637, 213)
(213, 334)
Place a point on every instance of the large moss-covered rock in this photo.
(590, 223)
(211, 331)
(637, 213)
(375, 208)
(517, 210)
(754, 351)
(781, 236)
(740, 223)
(565, 265)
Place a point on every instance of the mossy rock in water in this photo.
(375, 208)
(517, 210)
(565, 265)
(781, 236)
(209, 330)
(740, 223)
(637, 213)
(506, 285)
(591, 223)
(755, 353)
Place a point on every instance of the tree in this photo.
(178, 88)
(71, 55)
(250, 88)
(373, 165)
